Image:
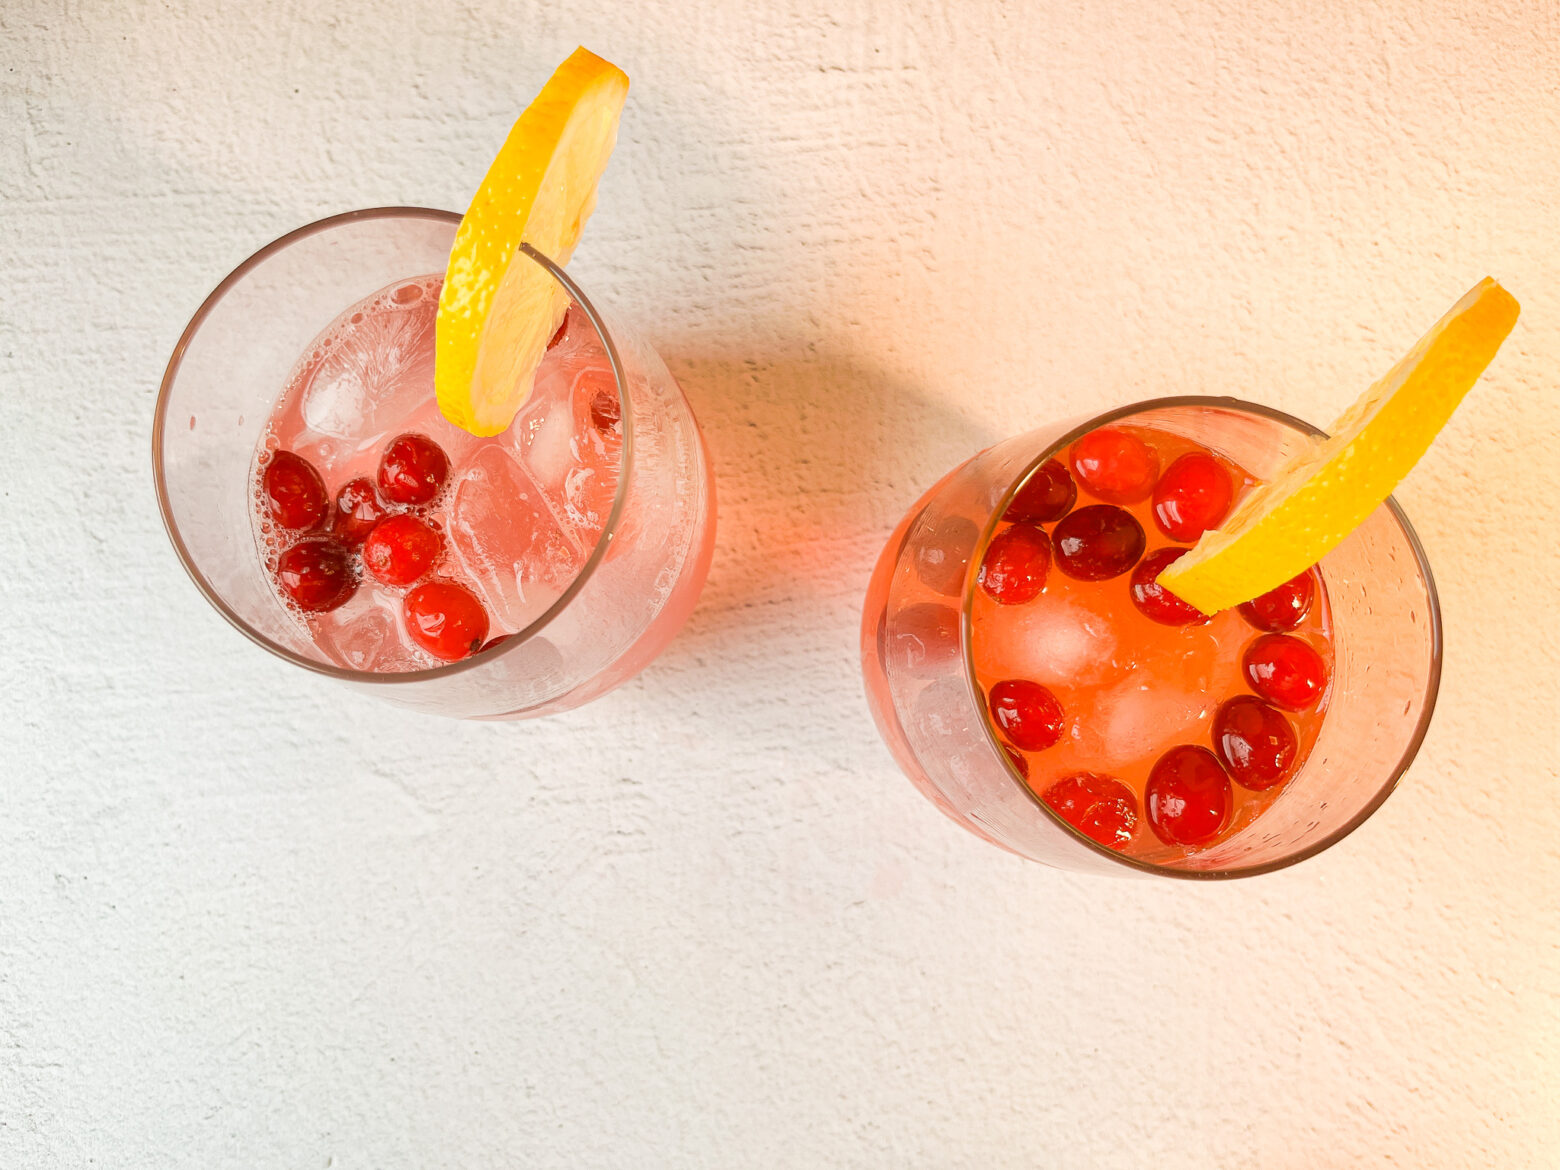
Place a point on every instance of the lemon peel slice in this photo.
(497, 312)
(1324, 493)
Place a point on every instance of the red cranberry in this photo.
(401, 549)
(357, 511)
(294, 493)
(1115, 465)
(1014, 568)
(1283, 608)
(942, 553)
(491, 642)
(1048, 495)
(317, 575)
(1020, 762)
(412, 470)
(1254, 742)
(1285, 670)
(1153, 600)
(1191, 497)
(1188, 796)
(445, 619)
(1097, 542)
(1102, 808)
(1026, 713)
(605, 410)
(563, 328)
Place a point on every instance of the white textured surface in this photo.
(251, 920)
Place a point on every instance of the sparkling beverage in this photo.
(440, 543)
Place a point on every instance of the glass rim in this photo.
(510, 643)
(1432, 682)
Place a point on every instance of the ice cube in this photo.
(365, 633)
(571, 456)
(592, 483)
(1137, 717)
(1055, 642)
(547, 454)
(379, 370)
(509, 539)
(583, 499)
(942, 552)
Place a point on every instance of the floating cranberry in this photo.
(1115, 465)
(357, 511)
(401, 549)
(294, 493)
(445, 619)
(1097, 542)
(942, 553)
(1048, 495)
(1014, 568)
(1283, 608)
(1188, 796)
(491, 642)
(316, 574)
(1020, 763)
(412, 469)
(1191, 497)
(605, 410)
(1285, 670)
(1026, 713)
(1153, 600)
(1254, 742)
(558, 334)
(1102, 808)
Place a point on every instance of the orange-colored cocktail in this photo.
(1038, 684)
(1129, 712)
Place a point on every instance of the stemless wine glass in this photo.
(635, 589)
(923, 693)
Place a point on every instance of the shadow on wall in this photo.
(816, 456)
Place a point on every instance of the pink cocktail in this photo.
(326, 508)
(393, 535)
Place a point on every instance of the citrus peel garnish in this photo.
(497, 312)
(1324, 493)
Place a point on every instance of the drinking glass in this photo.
(922, 690)
(634, 591)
